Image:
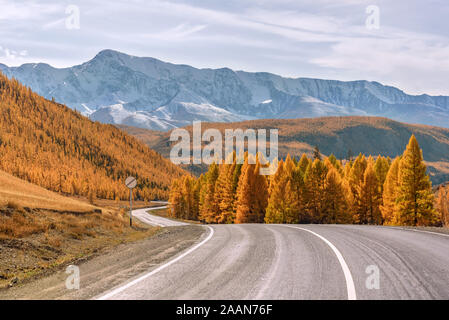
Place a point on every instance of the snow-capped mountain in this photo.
(145, 92)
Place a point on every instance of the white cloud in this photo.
(313, 38)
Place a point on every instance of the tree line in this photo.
(366, 190)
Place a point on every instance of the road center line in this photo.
(160, 268)
(348, 276)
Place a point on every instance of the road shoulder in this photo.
(113, 268)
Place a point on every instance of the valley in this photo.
(332, 135)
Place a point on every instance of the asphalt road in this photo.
(260, 261)
(154, 220)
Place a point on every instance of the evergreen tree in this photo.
(316, 153)
(349, 155)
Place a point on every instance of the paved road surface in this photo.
(299, 262)
(154, 220)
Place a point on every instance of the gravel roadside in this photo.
(112, 268)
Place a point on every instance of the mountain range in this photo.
(118, 88)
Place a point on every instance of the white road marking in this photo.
(144, 216)
(160, 268)
(348, 276)
(415, 230)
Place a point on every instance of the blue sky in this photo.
(302, 38)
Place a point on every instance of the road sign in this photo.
(131, 182)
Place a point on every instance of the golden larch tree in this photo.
(371, 197)
(314, 191)
(415, 199)
(442, 205)
(390, 191)
(335, 204)
(209, 210)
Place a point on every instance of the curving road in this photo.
(260, 261)
(151, 219)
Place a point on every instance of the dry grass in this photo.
(25, 194)
(117, 204)
(41, 230)
(17, 222)
(34, 242)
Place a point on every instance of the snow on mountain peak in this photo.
(114, 87)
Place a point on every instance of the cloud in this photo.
(312, 38)
(181, 31)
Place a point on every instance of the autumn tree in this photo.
(303, 163)
(335, 205)
(252, 194)
(442, 205)
(175, 199)
(225, 193)
(414, 203)
(283, 204)
(381, 167)
(314, 195)
(355, 179)
(209, 210)
(390, 191)
(370, 197)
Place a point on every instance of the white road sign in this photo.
(131, 182)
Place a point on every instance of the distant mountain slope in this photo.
(337, 135)
(56, 148)
(145, 92)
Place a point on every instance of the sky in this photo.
(403, 43)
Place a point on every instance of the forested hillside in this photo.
(52, 146)
(334, 135)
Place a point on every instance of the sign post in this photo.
(131, 183)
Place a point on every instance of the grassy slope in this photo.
(368, 135)
(41, 231)
(26, 194)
